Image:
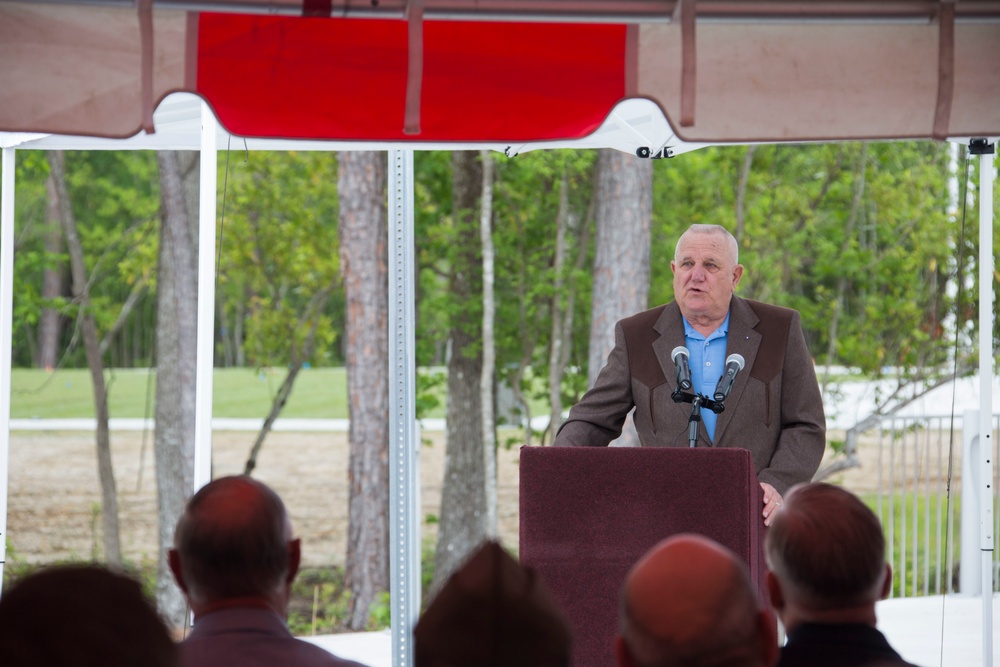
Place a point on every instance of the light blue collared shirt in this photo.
(708, 362)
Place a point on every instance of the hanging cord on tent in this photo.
(960, 279)
(218, 266)
(222, 217)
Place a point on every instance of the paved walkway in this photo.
(914, 627)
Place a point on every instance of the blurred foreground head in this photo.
(84, 616)
(826, 555)
(492, 612)
(234, 541)
(689, 602)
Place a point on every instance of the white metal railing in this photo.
(921, 515)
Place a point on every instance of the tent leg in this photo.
(985, 462)
(404, 472)
(206, 300)
(6, 336)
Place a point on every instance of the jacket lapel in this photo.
(670, 325)
(744, 340)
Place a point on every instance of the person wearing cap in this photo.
(492, 612)
(234, 558)
(826, 555)
(689, 602)
(774, 408)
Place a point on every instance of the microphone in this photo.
(680, 357)
(734, 364)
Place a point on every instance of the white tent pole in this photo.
(404, 471)
(985, 462)
(206, 300)
(6, 337)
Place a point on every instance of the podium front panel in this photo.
(587, 514)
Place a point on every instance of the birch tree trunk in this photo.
(53, 285)
(463, 514)
(176, 348)
(623, 217)
(361, 185)
(91, 344)
(488, 374)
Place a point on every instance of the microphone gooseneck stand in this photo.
(697, 401)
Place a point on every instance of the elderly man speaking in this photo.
(773, 408)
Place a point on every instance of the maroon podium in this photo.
(588, 513)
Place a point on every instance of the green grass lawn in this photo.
(319, 393)
(238, 392)
(910, 559)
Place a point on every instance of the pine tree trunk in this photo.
(623, 217)
(463, 516)
(92, 348)
(176, 347)
(361, 185)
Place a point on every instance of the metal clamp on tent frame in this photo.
(981, 146)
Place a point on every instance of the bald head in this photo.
(728, 241)
(689, 601)
(234, 540)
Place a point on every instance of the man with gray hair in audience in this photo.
(234, 558)
(689, 602)
(826, 555)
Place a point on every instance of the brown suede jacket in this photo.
(774, 410)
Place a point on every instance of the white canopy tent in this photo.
(184, 122)
(796, 71)
(180, 119)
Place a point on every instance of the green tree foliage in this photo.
(115, 201)
(860, 228)
(278, 250)
(526, 207)
(526, 203)
(865, 232)
(31, 260)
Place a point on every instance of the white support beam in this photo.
(985, 455)
(206, 300)
(6, 335)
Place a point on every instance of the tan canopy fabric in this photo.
(492, 70)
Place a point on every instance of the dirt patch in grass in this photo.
(54, 492)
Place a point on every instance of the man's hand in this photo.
(772, 502)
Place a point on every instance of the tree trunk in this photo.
(53, 285)
(176, 348)
(623, 217)
(361, 185)
(91, 345)
(489, 350)
(298, 358)
(562, 317)
(463, 515)
(741, 191)
(841, 293)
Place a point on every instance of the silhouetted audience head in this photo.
(689, 602)
(492, 612)
(826, 555)
(85, 616)
(234, 541)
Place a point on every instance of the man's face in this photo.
(704, 277)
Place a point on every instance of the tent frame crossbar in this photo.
(584, 11)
